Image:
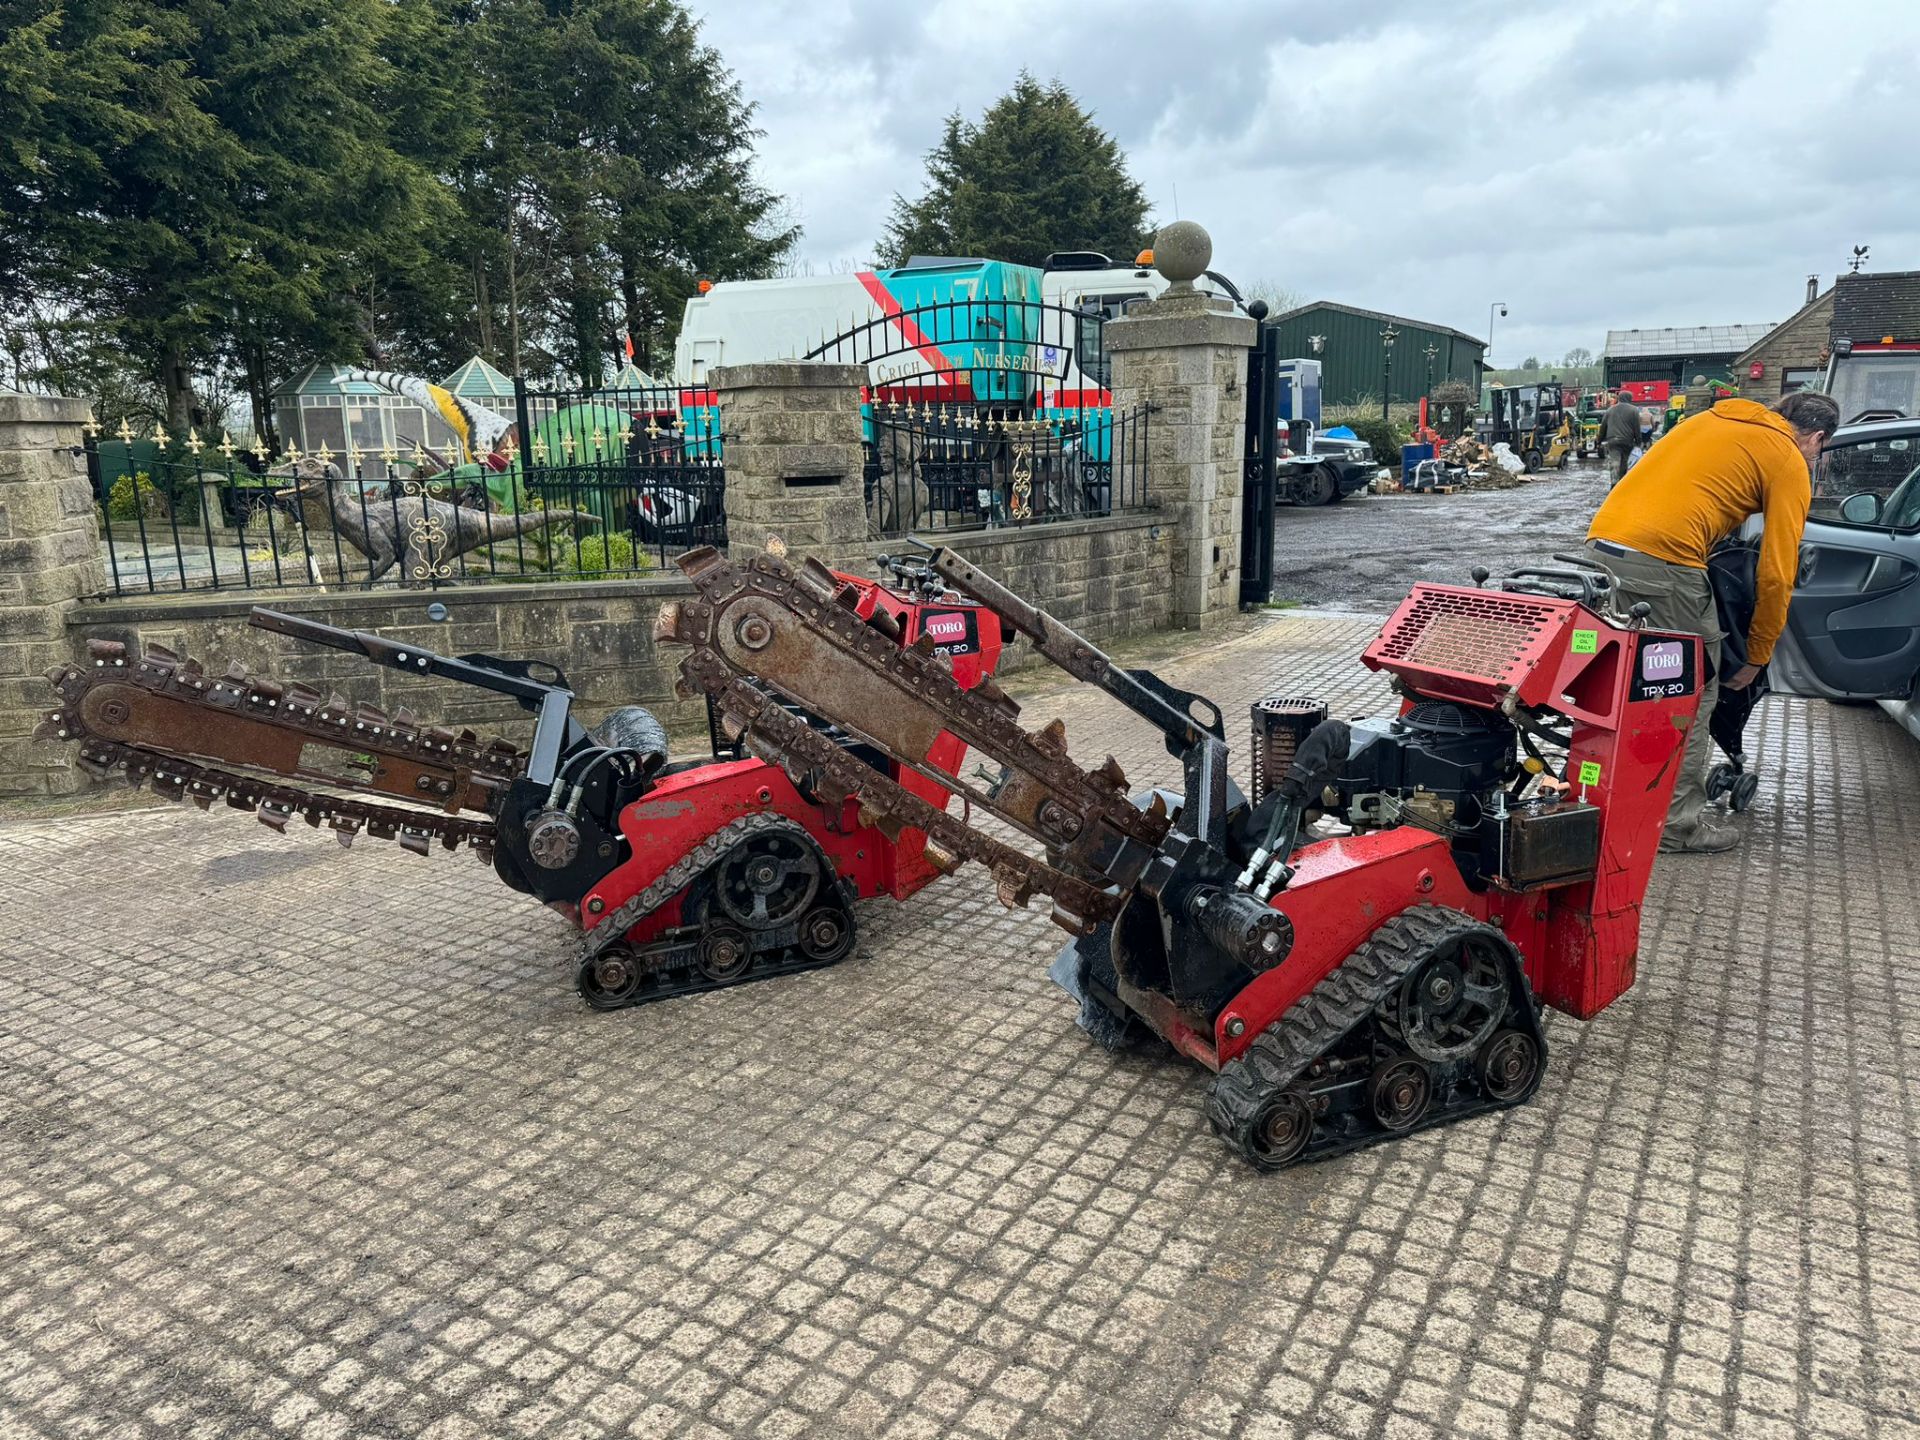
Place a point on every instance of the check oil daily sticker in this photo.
(1586, 642)
(1589, 772)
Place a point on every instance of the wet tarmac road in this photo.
(1363, 553)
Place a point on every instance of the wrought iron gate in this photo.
(644, 460)
(1258, 481)
(947, 467)
(990, 411)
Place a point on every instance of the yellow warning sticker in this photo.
(1589, 772)
(1586, 642)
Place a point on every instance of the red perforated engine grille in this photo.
(1491, 637)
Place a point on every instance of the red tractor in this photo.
(727, 869)
(1497, 836)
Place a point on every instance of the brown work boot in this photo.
(1705, 840)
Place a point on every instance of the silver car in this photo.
(1853, 630)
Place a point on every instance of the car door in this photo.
(1853, 630)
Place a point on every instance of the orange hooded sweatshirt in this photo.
(1700, 483)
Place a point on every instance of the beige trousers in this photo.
(1680, 598)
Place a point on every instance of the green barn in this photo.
(1353, 352)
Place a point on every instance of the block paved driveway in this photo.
(301, 1144)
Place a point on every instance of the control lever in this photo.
(1637, 615)
(915, 574)
(1480, 575)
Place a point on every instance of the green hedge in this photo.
(127, 493)
(182, 504)
(597, 555)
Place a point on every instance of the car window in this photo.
(1887, 468)
(1902, 510)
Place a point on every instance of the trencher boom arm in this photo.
(1199, 744)
(555, 731)
(761, 626)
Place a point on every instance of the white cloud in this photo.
(1594, 166)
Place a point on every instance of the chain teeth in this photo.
(287, 705)
(283, 704)
(276, 805)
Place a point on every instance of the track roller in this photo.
(1429, 1022)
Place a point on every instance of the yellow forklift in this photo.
(1533, 421)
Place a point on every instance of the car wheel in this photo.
(1322, 487)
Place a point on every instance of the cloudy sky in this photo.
(1593, 165)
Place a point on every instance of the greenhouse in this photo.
(315, 411)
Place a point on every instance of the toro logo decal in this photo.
(952, 631)
(1665, 669)
(1664, 660)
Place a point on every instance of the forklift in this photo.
(1532, 420)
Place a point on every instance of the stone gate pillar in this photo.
(794, 458)
(49, 558)
(1185, 355)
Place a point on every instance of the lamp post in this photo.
(1432, 350)
(1501, 306)
(1387, 336)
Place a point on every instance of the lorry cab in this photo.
(1095, 288)
(1090, 284)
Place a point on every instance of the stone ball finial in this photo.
(1181, 252)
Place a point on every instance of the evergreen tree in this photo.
(195, 173)
(1036, 175)
(626, 149)
(217, 188)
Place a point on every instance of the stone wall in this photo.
(1799, 344)
(1105, 578)
(49, 556)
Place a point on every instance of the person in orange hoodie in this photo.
(1654, 531)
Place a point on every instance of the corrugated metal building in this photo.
(1677, 354)
(1353, 354)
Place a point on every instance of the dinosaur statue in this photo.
(420, 534)
(478, 430)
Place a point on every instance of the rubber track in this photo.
(683, 872)
(1318, 1020)
(670, 982)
